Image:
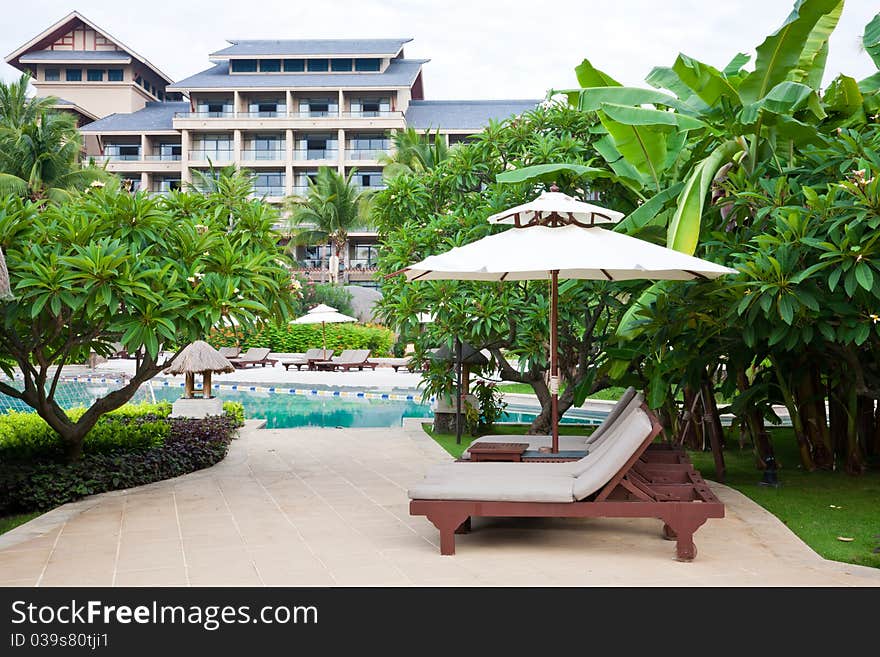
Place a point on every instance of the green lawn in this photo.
(11, 522)
(817, 506)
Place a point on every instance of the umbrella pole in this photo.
(324, 336)
(554, 365)
(458, 392)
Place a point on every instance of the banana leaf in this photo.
(548, 173)
(707, 82)
(642, 215)
(871, 39)
(590, 100)
(842, 97)
(589, 76)
(780, 52)
(645, 116)
(785, 98)
(642, 146)
(734, 66)
(811, 64)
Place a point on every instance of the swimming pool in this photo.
(322, 407)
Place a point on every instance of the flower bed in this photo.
(132, 447)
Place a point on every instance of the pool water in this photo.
(283, 411)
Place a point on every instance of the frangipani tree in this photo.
(109, 267)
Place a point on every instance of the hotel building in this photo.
(279, 108)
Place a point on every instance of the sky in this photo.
(478, 48)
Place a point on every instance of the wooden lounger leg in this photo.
(680, 526)
(447, 523)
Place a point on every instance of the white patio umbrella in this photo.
(323, 315)
(555, 236)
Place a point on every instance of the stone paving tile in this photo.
(324, 507)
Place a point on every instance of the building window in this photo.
(294, 65)
(243, 65)
(318, 107)
(365, 255)
(370, 106)
(215, 108)
(317, 147)
(52, 75)
(367, 65)
(95, 75)
(340, 65)
(267, 107)
(169, 151)
(269, 183)
(270, 65)
(74, 75)
(319, 65)
(114, 75)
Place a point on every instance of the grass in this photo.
(11, 522)
(612, 393)
(818, 507)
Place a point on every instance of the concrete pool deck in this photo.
(325, 507)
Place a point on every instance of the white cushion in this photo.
(496, 489)
(613, 414)
(501, 469)
(613, 454)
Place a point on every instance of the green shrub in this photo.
(300, 337)
(40, 484)
(234, 411)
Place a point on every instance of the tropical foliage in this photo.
(332, 207)
(39, 147)
(756, 167)
(107, 267)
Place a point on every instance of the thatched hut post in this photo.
(198, 358)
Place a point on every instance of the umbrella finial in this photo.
(554, 188)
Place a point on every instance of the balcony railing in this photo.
(264, 154)
(362, 264)
(117, 157)
(265, 114)
(315, 114)
(300, 190)
(163, 157)
(315, 154)
(364, 153)
(204, 115)
(269, 191)
(366, 114)
(214, 156)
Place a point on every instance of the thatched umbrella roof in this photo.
(198, 358)
(5, 291)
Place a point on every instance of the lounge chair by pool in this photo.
(308, 359)
(253, 357)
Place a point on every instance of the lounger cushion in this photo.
(502, 469)
(613, 454)
(612, 416)
(497, 489)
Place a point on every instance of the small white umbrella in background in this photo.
(555, 236)
(323, 315)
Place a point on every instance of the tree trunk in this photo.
(854, 460)
(692, 421)
(811, 408)
(796, 423)
(712, 423)
(754, 422)
(837, 421)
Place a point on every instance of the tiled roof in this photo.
(399, 73)
(155, 116)
(75, 56)
(311, 47)
(463, 114)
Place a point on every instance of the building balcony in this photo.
(270, 191)
(263, 154)
(164, 157)
(300, 190)
(204, 115)
(360, 154)
(308, 154)
(213, 156)
(116, 157)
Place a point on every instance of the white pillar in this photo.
(185, 145)
(236, 147)
(340, 138)
(236, 103)
(288, 159)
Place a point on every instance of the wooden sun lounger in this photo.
(308, 359)
(672, 491)
(347, 360)
(253, 357)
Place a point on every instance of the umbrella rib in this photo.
(424, 273)
(504, 275)
(397, 273)
(696, 274)
(607, 275)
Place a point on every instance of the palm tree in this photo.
(331, 208)
(17, 109)
(414, 151)
(39, 148)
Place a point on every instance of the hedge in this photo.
(137, 445)
(297, 338)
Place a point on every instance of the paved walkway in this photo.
(329, 507)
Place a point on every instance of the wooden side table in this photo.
(497, 451)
